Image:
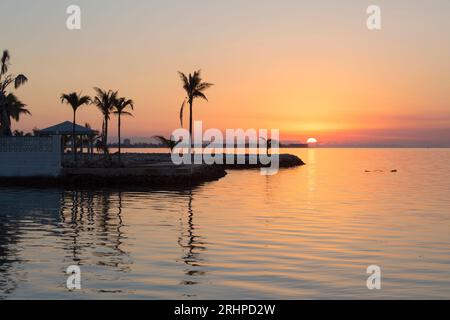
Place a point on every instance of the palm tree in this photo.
(99, 145)
(75, 100)
(5, 81)
(169, 143)
(14, 109)
(105, 102)
(87, 140)
(120, 105)
(194, 88)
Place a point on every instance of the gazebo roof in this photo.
(66, 128)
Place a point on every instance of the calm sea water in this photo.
(306, 233)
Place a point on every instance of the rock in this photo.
(285, 161)
(289, 160)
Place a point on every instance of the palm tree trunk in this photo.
(74, 148)
(190, 133)
(103, 134)
(118, 126)
(190, 121)
(105, 143)
(3, 113)
(5, 123)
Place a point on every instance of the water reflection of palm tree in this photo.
(120, 224)
(10, 233)
(94, 222)
(75, 226)
(191, 243)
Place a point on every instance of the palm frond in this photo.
(120, 104)
(65, 97)
(6, 82)
(162, 140)
(198, 94)
(169, 143)
(194, 86)
(123, 113)
(20, 80)
(204, 85)
(5, 62)
(105, 101)
(99, 91)
(15, 108)
(75, 100)
(183, 77)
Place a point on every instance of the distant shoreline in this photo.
(301, 147)
(158, 146)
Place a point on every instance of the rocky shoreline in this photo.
(285, 161)
(138, 171)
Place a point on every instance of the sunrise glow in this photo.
(345, 84)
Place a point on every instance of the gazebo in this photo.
(65, 129)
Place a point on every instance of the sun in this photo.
(311, 141)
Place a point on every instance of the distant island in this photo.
(145, 145)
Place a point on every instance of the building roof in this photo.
(65, 128)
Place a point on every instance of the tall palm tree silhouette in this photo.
(5, 81)
(75, 100)
(86, 140)
(120, 105)
(194, 88)
(105, 102)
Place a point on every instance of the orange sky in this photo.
(306, 69)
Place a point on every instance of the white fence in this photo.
(30, 156)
